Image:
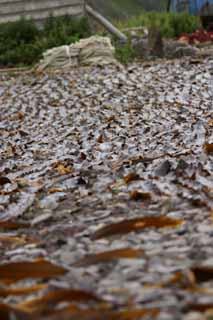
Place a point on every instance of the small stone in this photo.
(194, 316)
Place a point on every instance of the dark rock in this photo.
(163, 169)
(154, 46)
(174, 49)
(155, 43)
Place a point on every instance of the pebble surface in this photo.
(77, 145)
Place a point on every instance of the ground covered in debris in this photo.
(106, 193)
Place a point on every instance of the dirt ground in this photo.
(106, 193)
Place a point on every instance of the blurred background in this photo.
(122, 9)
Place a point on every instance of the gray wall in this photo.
(38, 10)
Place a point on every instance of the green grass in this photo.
(172, 25)
(22, 43)
(125, 53)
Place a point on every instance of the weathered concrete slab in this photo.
(38, 10)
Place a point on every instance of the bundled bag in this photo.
(91, 51)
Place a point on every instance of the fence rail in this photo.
(38, 10)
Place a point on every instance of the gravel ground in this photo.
(88, 148)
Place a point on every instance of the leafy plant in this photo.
(22, 42)
(170, 24)
(65, 30)
(125, 53)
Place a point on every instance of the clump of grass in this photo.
(171, 25)
(64, 30)
(22, 42)
(124, 52)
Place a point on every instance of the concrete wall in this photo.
(38, 10)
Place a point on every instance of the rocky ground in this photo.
(106, 193)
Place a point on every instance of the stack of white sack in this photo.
(91, 51)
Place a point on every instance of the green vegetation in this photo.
(125, 53)
(171, 25)
(22, 42)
